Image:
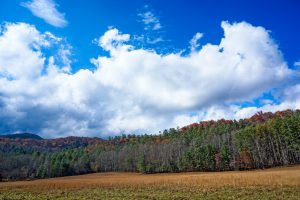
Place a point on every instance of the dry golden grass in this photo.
(287, 176)
(278, 183)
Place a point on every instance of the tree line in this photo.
(262, 141)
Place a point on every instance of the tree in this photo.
(41, 172)
(141, 164)
(225, 158)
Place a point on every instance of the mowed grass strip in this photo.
(276, 183)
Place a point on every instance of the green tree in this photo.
(141, 165)
(225, 158)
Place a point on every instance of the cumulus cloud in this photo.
(113, 40)
(47, 10)
(20, 55)
(230, 71)
(134, 89)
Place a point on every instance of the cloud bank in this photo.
(134, 90)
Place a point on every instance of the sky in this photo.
(104, 68)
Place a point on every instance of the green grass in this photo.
(254, 193)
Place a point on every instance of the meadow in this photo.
(275, 183)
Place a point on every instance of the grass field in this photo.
(276, 183)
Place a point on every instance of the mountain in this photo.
(27, 143)
(22, 136)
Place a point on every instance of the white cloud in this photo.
(113, 40)
(146, 39)
(194, 41)
(47, 10)
(297, 64)
(246, 63)
(134, 89)
(290, 99)
(206, 77)
(150, 21)
(64, 54)
(152, 28)
(20, 55)
(185, 119)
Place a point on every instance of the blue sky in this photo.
(181, 20)
(113, 67)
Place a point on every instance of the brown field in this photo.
(276, 183)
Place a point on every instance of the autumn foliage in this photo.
(261, 141)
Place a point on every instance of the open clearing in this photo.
(276, 183)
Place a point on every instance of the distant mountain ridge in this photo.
(28, 142)
(22, 136)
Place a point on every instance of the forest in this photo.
(262, 141)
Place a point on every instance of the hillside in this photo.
(262, 141)
(22, 136)
(13, 144)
